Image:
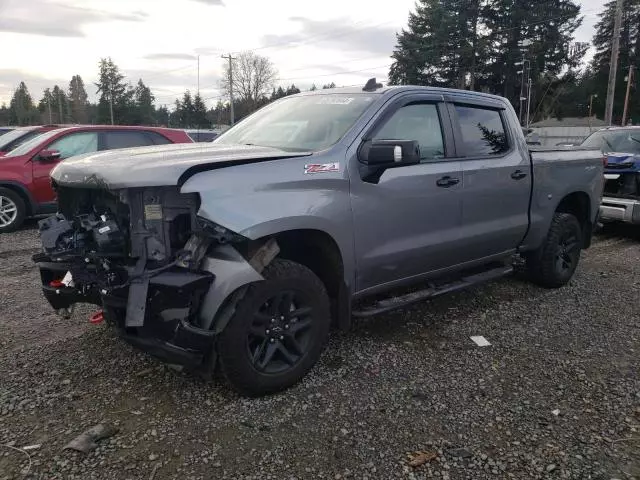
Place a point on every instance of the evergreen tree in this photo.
(46, 106)
(4, 114)
(329, 85)
(629, 55)
(78, 100)
(112, 90)
(21, 108)
(60, 104)
(143, 105)
(292, 90)
(440, 46)
(199, 113)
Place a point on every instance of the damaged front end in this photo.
(160, 273)
(621, 196)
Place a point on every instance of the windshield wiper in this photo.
(634, 139)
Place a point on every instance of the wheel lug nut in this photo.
(267, 332)
(272, 340)
(281, 337)
(286, 327)
(273, 320)
(282, 317)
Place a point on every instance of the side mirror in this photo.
(49, 155)
(389, 153)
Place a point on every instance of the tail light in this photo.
(605, 161)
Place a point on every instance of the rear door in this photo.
(496, 178)
(406, 221)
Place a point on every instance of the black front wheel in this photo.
(553, 265)
(277, 332)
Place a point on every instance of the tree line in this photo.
(127, 104)
(481, 44)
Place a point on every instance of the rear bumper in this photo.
(620, 210)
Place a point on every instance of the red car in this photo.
(17, 136)
(24, 172)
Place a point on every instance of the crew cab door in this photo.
(496, 173)
(69, 144)
(406, 219)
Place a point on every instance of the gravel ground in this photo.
(556, 395)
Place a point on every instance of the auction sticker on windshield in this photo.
(334, 100)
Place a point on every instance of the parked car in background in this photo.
(242, 253)
(200, 135)
(20, 135)
(621, 198)
(25, 188)
(4, 130)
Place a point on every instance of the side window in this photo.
(483, 132)
(419, 122)
(125, 139)
(157, 139)
(75, 144)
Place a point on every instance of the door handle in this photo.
(447, 181)
(518, 175)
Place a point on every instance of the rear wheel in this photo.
(553, 265)
(277, 332)
(12, 210)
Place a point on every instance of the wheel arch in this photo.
(24, 193)
(578, 204)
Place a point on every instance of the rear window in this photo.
(483, 132)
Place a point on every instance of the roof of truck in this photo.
(389, 89)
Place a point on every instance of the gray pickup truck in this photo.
(238, 256)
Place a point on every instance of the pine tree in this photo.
(199, 112)
(46, 106)
(112, 89)
(329, 85)
(21, 108)
(78, 100)
(143, 105)
(440, 46)
(629, 55)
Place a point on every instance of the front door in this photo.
(406, 222)
(70, 144)
(496, 181)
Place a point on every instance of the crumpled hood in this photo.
(161, 165)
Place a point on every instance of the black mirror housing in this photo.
(49, 155)
(390, 153)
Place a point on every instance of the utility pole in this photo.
(591, 97)
(111, 103)
(49, 108)
(626, 97)
(60, 109)
(528, 101)
(198, 75)
(230, 58)
(613, 67)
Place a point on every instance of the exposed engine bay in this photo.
(150, 263)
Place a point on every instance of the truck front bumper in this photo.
(620, 210)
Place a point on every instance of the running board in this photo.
(388, 304)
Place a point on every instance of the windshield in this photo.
(14, 138)
(26, 147)
(619, 141)
(306, 123)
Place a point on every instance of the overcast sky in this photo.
(45, 42)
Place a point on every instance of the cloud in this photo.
(11, 78)
(170, 56)
(43, 17)
(339, 33)
(217, 3)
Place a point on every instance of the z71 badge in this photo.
(322, 167)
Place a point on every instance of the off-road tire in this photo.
(547, 266)
(234, 354)
(21, 210)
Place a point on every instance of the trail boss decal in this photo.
(322, 167)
